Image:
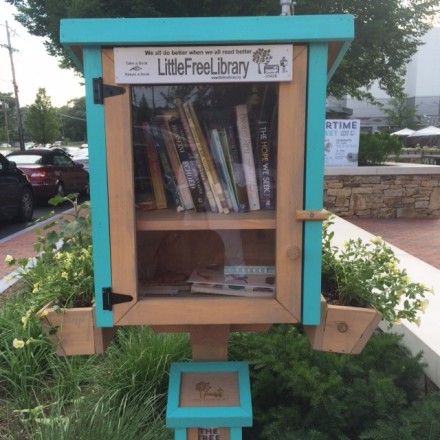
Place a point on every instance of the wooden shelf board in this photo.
(169, 220)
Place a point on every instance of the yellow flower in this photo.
(10, 259)
(18, 343)
(43, 313)
(65, 275)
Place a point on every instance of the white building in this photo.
(422, 86)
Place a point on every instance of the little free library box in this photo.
(206, 139)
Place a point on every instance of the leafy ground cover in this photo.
(297, 393)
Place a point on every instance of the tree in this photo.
(400, 114)
(387, 32)
(73, 120)
(8, 119)
(41, 121)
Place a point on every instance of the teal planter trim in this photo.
(98, 185)
(202, 417)
(314, 182)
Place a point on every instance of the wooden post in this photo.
(209, 343)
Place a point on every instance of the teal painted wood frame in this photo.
(206, 30)
(314, 181)
(98, 185)
(221, 417)
(89, 35)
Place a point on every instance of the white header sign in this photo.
(342, 142)
(203, 64)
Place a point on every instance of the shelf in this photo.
(168, 220)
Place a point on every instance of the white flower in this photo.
(18, 343)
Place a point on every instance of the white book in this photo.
(208, 280)
(247, 155)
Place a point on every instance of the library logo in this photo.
(263, 58)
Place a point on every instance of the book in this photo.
(249, 270)
(188, 164)
(169, 178)
(247, 155)
(214, 280)
(221, 120)
(179, 173)
(154, 167)
(193, 151)
(222, 169)
(205, 157)
(142, 180)
(265, 166)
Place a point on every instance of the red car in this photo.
(51, 172)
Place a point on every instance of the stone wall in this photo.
(399, 194)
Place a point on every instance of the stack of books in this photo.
(204, 160)
(258, 283)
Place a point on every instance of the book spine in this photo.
(265, 169)
(168, 174)
(205, 156)
(188, 165)
(182, 183)
(233, 157)
(142, 179)
(154, 167)
(212, 200)
(244, 137)
(222, 168)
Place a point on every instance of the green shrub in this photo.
(421, 421)
(298, 393)
(375, 148)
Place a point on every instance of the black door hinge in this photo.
(101, 91)
(109, 298)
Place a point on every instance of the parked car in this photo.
(82, 157)
(16, 194)
(51, 172)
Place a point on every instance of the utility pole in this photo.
(14, 82)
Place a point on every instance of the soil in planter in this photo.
(329, 292)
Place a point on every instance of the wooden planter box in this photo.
(74, 331)
(343, 329)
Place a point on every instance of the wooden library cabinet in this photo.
(206, 175)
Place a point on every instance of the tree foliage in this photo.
(41, 122)
(8, 118)
(387, 33)
(73, 120)
(400, 114)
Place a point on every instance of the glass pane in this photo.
(205, 187)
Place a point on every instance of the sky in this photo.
(34, 68)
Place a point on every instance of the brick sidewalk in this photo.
(20, 245)
(417, 237)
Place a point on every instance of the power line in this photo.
(71, 117)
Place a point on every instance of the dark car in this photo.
(51, 172)
(16, 195)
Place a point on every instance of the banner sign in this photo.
(341, 146)
(203, 64)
